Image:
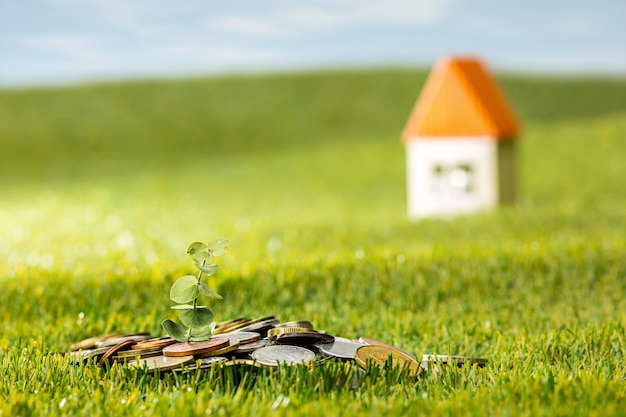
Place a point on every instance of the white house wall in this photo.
(448, 176)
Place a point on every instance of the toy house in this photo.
(460, 143)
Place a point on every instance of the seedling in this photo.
(196, 320)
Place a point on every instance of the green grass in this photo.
(104, 186)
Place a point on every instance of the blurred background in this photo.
(67, 41)
(130, 128)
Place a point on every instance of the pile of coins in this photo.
(257, 342)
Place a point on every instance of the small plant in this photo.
(196, 321)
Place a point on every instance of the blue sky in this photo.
(67, 41)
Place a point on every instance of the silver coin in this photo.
(252, 346)
(339, 349)
(260, 326)
(89, 353)
(345, 339)
(206, 363)
(283, 354)
(243, 337)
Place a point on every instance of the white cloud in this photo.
(68, 46)
(576, 25)
(253, 26)
(215, 54)
(298, 18)
(398, 11)
(136, 16)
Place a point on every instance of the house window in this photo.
(453, 179)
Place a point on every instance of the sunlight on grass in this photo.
(318, 231)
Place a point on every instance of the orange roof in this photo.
(460, 98)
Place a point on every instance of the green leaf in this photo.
(184, 289)
(218, 246)
(208, 269)
(208, 291)
(200, 252)
(205, 333)
(175, 330)
(197, 318)
(185, 307)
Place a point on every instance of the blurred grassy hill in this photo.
(100, 130)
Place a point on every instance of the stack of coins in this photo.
(264, 341)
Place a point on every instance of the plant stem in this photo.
(195, 300)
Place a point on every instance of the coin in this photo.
(89, 353)
(248, 362)
(135, 337)
(261, 326)
(251, 347)
(299, 323)
(243, 337)
(232, 345)
(374, 342)
(339, 349)
(124, 345)
(231, 322)
(379, 355)
(309, 338)
(272, 333)
(460, 360)
(345, 339)
(195, 348)
(154, 342)
(144, 353)
(246, 323)
(90, 342)
(283, 354)
(163, 363)
(227, 326)
(207, 363)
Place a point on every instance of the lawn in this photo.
(105, 185)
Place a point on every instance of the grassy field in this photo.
(104, 186)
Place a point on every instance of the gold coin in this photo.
(299, 323)
(260, 325)
(163, 363)
(374, 342)
(379, 355)
(272, 333)
(226, 326)
(144, 353)
(231, 322)
(245, 323)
